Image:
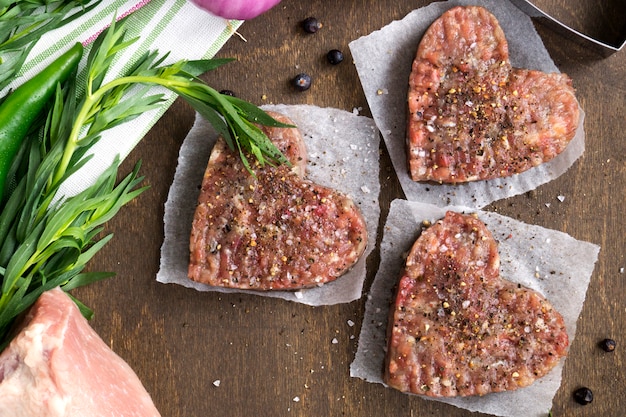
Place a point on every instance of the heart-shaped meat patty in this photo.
(471, 116)
(272, 230)
(456, 328)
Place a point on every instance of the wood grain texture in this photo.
(275, 358)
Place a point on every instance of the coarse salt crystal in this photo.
(217, 382)
(365, 189)
(561, 198)
(296, 399)
(350, 323)
(334, 341)
(298, 295)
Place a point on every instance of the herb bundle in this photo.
(23, 22)
(47, 239)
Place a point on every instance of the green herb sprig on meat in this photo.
(47, 239)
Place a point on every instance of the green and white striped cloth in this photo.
(176, 27)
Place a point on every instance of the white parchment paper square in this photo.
(343, 153)
(550, 262)
(383, 61)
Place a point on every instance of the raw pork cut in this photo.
(57, 366)
(272, 230)
(456, 328)
(474, 117)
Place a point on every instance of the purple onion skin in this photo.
(236, 9)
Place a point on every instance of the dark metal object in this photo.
(603, 47)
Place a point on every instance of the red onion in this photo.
(236, 9)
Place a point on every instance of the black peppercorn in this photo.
(583, 396)
(608, 345)
(302, 81)
(334, 56)
(311, 25)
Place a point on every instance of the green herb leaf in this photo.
(23, 22)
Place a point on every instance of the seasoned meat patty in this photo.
(272, 230)
(456, 328)
(474, 117)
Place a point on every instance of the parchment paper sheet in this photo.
(551, 262)
(383, 61)
(343, 152)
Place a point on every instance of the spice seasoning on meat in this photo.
(472, 116)
(456, 328)
(272, 230)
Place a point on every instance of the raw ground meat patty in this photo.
(456, 328)
(474, 117)
(275, 231)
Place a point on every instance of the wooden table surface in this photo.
(276, 358)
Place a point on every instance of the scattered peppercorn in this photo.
(608, 345)
(228, 93)
(583, 396)
(311, 25)
(334, 56)
(302, 81)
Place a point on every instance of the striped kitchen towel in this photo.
(176, 27)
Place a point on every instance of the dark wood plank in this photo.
(266, 353)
